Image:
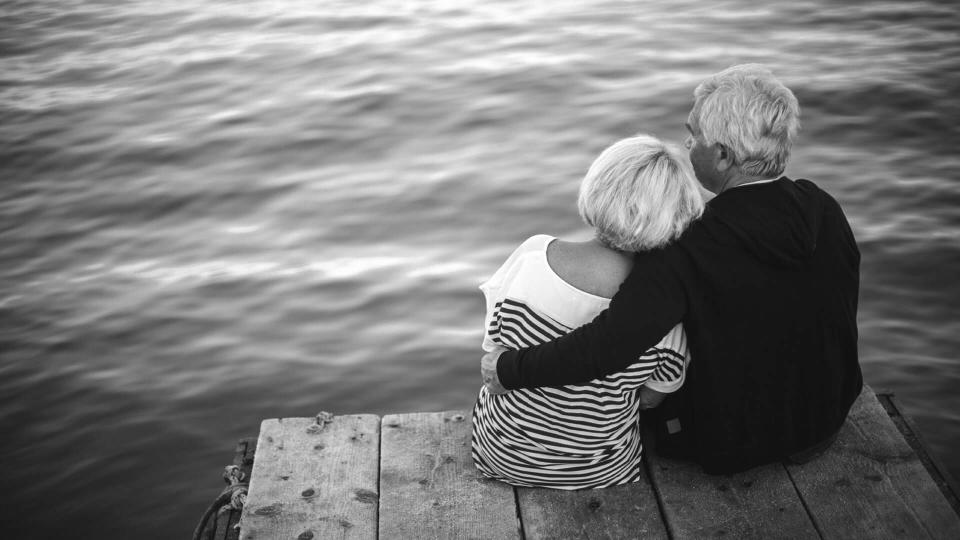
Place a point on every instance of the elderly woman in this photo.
(639, 194)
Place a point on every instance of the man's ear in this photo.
(724, 157)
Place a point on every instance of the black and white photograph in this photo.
(514, 269)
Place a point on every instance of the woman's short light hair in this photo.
(749, 111)
(639, 194)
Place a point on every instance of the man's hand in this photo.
(488, 369)
(650, 398)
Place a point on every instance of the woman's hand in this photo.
(488, 370)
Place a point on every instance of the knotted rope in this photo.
(232, 497)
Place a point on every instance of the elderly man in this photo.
(765, 284)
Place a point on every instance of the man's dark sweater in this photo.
(766, 286)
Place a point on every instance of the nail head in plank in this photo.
(625, 511)
(429, 486)
(870, 483)
(314, 483)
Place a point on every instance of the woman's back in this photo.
(568, 437)
(638, 194)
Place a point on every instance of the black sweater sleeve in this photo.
(650, 302)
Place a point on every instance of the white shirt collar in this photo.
(767, 181)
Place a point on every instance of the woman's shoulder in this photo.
(531, 248)
(589, 266)
(537, 242)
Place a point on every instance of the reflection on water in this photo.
(214, 213)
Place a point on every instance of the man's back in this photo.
(771, 281)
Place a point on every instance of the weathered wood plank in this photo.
(759, 503)
(870, 483)
(627, 511)
(314, 483)
(931, 462)
(429, 487)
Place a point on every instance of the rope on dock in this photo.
(232, 497)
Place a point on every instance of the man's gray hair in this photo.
(639, 194)
(748, 110)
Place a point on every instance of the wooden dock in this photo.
(411, 476)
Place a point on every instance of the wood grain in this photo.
(312, 483)
(411, 476)
(759, 503)
(429, 487)
(626, 511)
(871, 484)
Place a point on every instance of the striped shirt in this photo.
(566, 437)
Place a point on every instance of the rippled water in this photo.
(217, 212)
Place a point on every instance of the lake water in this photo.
(218, 212)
